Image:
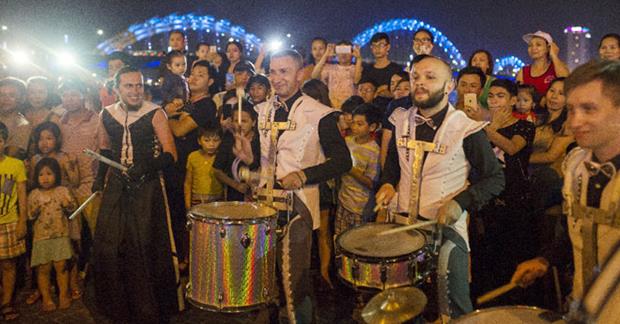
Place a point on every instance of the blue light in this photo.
(508, 61)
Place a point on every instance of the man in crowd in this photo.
(135, 266)
(469, 80)
(300, 147)
(591, 179)
(12, 97)
(423, 42)
(438, 146)
(115, 61)
(382, 69)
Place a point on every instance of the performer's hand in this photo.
(449, 213)
(385, 195)
(291, 181)
(528, 271)
(242, 147)
(243, 188)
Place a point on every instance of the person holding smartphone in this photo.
(341, 77)
(546, 64)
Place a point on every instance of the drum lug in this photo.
(267, 229)
(355, 270)
(245, 240)
(414, 275)
(222, 232)
(189, 224)
(383, 273)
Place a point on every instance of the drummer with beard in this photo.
(455, 148)
(135, 267)
(300, 147)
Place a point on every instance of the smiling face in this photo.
(285, 76)
(610, 49)
(131, 90)
(593, 118)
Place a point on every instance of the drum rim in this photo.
(392, 258)
(273, 213)
(490, 309)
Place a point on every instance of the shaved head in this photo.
(444, 68)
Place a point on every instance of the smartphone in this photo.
(343, 49)
(212, 49)
(230, 78)
(471, 100)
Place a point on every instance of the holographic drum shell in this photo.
(232, 256)
(510, 315)
(370, 261)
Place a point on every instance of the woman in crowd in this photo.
(317, 50)
(38, 101)
(484, 60)
(609, 47)
(546, 64)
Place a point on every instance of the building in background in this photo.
(577, 45)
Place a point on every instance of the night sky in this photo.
(468, 24)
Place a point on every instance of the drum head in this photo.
(232, 210)
(510, 315)
(364, 241)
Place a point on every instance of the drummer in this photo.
(300, 147)
(445, 195)
(592, 182)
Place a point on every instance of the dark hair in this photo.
(260, 79)
(610, 35)
(238, 45)
(200, 44)
(4, 131)
(472, 70)
(403, 76)
(52, 128)
(367, 80)
(124, 70)
(370, 111)
(289, 53)
(344, 42)
(118, 56)
(172, 54)
(510, 86)
(351, 103)
(214, 131)
(317, 90)
(316, 39)
(247, 107)
(72, 84)
(608, 72)
(380, 36)
(531, 90)
(245, 66)
(206, 64)
(46, 83)
(424, 30)
(490, 62)
(177, 31)
(16, 83)
(53, 165)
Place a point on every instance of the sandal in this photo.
(33, 298)
(48, 307)
(8, 313)
(76, 293)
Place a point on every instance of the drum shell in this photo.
(509, 315)
(225, 275)
(383, 272)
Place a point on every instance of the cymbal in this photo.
(394, 305)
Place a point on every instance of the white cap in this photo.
(528, 37)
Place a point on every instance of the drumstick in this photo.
(408, 227)
(495, 293)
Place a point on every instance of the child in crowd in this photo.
(48, 141)
(12, 222)
(367, 88)
(340, 78)
(356, 185)
(346, 118)
(174, 87)
(49, 205)
(226, 159)
(201, 185)
(527, 98)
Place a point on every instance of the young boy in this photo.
(345, 120)
(12, 222)
(201, 185)
(359, 181)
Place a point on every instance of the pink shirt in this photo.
(340, 81)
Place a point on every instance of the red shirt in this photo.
(542, 82)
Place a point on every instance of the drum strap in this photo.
(442, 277)
(418, 147)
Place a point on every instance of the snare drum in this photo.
(510, 315)
(232, 256)
(382, 262)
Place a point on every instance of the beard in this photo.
(432, 101)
